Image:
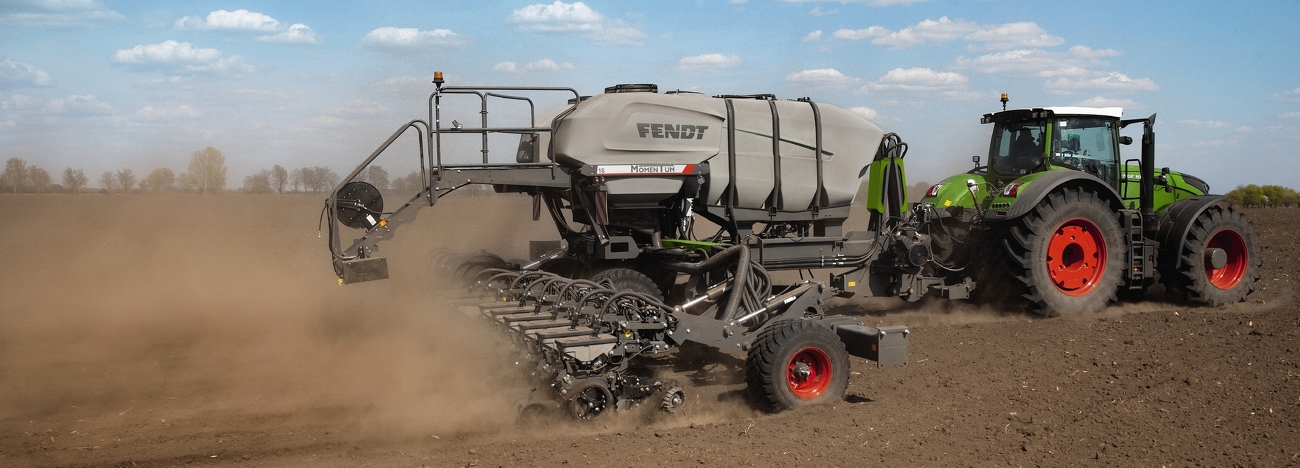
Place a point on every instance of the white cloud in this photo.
(1244, 129)
(158, 113)
(981, 37)
(858, 34)
(407, 40)
(1009, 35)
(18, 102)
(78, 105)
(708, 62)
(19, 75)
(1102, 81)
(1211, 143)
(574, 18)
(166, 52)
(1204, 123)
(865, 112)
(922, 82)
(1037, 62)
(181, 58)
(56, 13)
(360, 107)
(541, 65)
(9, 124)
(1289, 115)
(1108, 102)
(813, 36)
(1289, 96)
(818, 11)
(821, 79)
(251, 21)
(297, 33)
(222, 20)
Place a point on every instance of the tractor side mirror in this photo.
(1126, 140)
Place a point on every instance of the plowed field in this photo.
(146, 331)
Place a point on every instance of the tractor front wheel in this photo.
(797, 362)
(1068, 253)
(1220, 258)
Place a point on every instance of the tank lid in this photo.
(632, 88)
(578, 99)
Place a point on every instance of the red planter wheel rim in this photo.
(1235, 268)
(1076, 257)
(808, 373)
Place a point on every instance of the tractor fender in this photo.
(1173, 225)
(1049, 182)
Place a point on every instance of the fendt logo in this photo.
(678, 132)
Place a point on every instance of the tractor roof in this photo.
(1041, 112)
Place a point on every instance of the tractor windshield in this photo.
(1085, 144)
(1017, 148)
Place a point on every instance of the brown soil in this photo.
(184, 330)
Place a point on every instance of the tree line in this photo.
(205, 174)
(1264, 196)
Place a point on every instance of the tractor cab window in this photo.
(1017, 148)
(1085, 144)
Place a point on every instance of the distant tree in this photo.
(125, 180)
(279, 177)
(185, 183)
(408, 184)
(258, 183)
(1291, 197)
(162, 179)
(377, 176)
(298, 178)
(15, 174)
(74, 180)
(107, 181)
(317, 179)
(208, 170)
(38, 178)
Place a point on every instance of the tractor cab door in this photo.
(1018, 148)
(1086, 144)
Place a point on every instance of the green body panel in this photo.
(953, 191)
(1175, 188)
(692, 244)
(875, 184)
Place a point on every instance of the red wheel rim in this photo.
(1235, 268)
(1076, 257)
(809, 373)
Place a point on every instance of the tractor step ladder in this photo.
(1141, 252)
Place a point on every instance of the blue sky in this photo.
(105, 85)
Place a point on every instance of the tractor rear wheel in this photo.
(793, 363)
(627, 279)
(1067, 253)
(1220, 258)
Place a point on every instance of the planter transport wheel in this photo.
(798, 362)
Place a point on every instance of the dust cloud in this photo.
(178, 306)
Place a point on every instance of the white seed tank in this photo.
(662, 134)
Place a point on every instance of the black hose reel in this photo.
(359, 205)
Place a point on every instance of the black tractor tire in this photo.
(627, 279)
(795, 362)
(1225, 229)
(1068, 253)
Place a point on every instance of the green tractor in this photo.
(1058, 218)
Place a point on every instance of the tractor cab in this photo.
(1027, 141)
